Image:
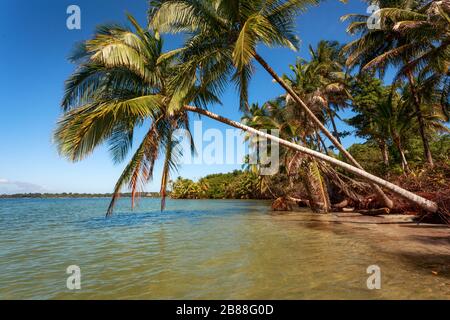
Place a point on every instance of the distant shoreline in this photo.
(72, 195)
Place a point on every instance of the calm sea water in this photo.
(194, 250)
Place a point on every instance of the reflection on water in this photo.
(206, 250)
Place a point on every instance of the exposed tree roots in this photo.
(348, 194)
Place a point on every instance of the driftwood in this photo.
(281, 204)
(366, 204)
(342, 205)
(300, 202)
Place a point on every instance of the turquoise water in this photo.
(196, 250)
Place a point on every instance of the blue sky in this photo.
(35, 46)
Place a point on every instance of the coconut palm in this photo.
(330, 82)
(396, 118)
(413, 36)
(384, 115)
(396, 112)
(321, 82)
(426, 23)
(121, 84)
(433, 100)
(281, 115)
(118, 87)
(223, 39)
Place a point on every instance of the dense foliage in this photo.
(369, 154)
(234, 185)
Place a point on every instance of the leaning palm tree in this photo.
(122, 83)
(222, 42)
(118, 87)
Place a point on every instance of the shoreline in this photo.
(422, 244)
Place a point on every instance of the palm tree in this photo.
(367, 94)
(322, 83)
(396, 113)
(383, 114)
(329, 80)
(283, 116)
(414, 36)
(433, 104)
(122, 83)
(396, 117)
(223, 39)
(118, 87)
(427, 24)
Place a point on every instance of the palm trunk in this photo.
(316, 187)
(333, 123)
(399, 145)
(405, 165)
(325, 150)
(420, 120)
(413, 198)
(388, 202)
(314, 183)
(384, 152)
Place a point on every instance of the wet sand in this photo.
(426, 245)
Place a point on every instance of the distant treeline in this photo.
(234, 185)
(74, 195)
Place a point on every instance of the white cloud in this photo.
(11, 187)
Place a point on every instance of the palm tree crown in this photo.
(224, 35)
(119, 86)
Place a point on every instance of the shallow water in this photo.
(204, 250)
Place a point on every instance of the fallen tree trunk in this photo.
(387, 202)
(342, 205)
(425, 204)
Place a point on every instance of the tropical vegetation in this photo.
(233, 185)
(125, 80)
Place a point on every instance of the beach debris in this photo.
(282, 204)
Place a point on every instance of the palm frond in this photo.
(140, 168)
